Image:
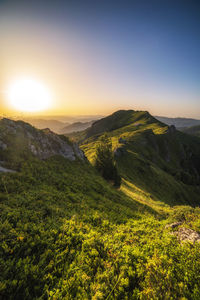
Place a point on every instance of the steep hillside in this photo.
(120, 119)
(194, 130)
(151, 156)
(20, 141)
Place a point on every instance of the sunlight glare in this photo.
(28, 95)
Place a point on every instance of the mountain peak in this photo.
(119, 119)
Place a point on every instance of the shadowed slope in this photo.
(194, 130)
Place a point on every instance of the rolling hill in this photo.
(54, 125)
(66, 233)
(77, 126)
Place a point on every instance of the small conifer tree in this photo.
(104, 161)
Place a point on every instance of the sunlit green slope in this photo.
(159, 164)
(67, 234)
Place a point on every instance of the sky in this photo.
(96, 57)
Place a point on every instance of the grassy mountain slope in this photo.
(121, 119)
(68, 234)
(151, 156)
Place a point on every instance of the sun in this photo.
(28, 95)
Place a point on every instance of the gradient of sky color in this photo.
(100, 56)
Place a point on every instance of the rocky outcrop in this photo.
(187, 235)
(183, 234)
(41, 143)
(5, 170)
(79, 153)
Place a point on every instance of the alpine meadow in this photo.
(100, 150)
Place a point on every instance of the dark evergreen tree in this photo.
(104, 161)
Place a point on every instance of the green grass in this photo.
(67, 234)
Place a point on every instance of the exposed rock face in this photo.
(41, 143)
(51, 144)
(187, 235)
(4, 170)
(184, 234)
(79, 152)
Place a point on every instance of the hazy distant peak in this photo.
(179, 122)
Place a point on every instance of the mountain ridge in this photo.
(118, 119)
(153, 149)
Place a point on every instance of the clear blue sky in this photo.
(99, 56)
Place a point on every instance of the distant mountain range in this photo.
(180, 123)
(63, 124)
(77, 126)
(53, 125)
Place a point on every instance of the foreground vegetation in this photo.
(67, 234)
(105, 162)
